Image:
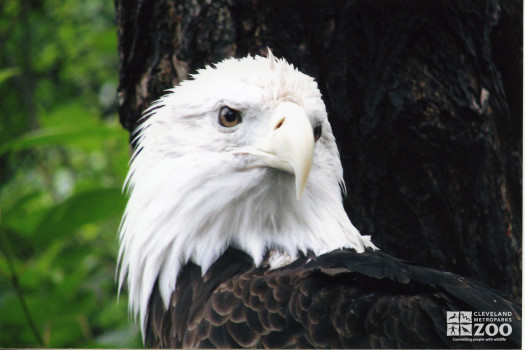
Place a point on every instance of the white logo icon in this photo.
(459, 323)
(485, 325)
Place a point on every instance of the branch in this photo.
(4, 244)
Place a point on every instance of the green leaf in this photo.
(24, 213)
(73, 112)
(8, 73)
(77, 211)
(124, 337)
(58, 136)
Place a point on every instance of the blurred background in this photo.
(64, 155)
(63, 159)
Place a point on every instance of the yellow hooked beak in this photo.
(289, 145)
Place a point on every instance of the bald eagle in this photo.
(235, 234)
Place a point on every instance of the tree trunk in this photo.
(424, 97)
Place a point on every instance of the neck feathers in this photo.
(175, 216)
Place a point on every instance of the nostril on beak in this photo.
(280, 123)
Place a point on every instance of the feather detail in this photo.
(190, 199)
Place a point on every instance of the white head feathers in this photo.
(197, 186)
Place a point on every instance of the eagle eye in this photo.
(318, 130)
(229, 117)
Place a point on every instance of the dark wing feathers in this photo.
(338, 300)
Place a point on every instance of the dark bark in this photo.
(425, 99)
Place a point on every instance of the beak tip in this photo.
(299, 189)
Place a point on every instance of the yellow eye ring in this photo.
(229, 117)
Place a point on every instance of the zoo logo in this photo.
(460, 324)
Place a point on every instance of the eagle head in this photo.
(242, 155)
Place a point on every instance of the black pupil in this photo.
(317, 132)
(230, 115)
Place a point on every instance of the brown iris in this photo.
(229, 117)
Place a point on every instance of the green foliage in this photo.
(63, 159)
(7, 73)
